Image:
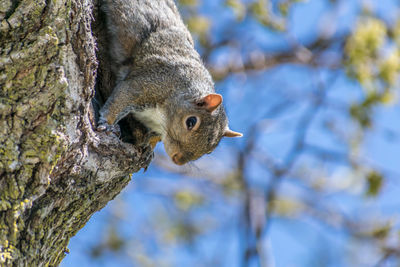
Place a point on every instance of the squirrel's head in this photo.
(195, 128)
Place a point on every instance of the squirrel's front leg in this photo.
(118, 105)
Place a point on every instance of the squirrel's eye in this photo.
(191, 122)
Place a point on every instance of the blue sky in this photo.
(289, 241)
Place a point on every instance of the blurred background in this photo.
(315, 181)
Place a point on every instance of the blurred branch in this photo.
(311, 55)
(388, 252)
(258, 230)
(326, 154)
(298, 145)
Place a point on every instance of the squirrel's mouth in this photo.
(181, 158)
(178, 159)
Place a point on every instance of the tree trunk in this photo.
(55, 169)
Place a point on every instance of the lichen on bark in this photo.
(55, 169)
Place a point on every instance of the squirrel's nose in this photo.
(177, 159)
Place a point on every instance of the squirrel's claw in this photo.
(154, 140)
(109, 129)
(102, 127)
(147, 156)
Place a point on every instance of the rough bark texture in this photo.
(55, 170)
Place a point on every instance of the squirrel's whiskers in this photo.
(163, 81)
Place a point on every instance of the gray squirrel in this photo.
(161, 79)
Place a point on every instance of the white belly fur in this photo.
(153, 118)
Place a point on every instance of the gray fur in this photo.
(158, 67)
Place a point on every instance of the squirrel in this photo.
(161, 79)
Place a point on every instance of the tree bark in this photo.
(55, 169)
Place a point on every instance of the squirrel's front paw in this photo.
(152, 138)
(102, 127)
(109, 129)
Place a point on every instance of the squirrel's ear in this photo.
(230, 133)
(211, 101)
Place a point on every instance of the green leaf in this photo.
(382, 231)
(238, 8)
(188, 2)
(375, 181)
(186, 200)
(198, 25)
(390, 67)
